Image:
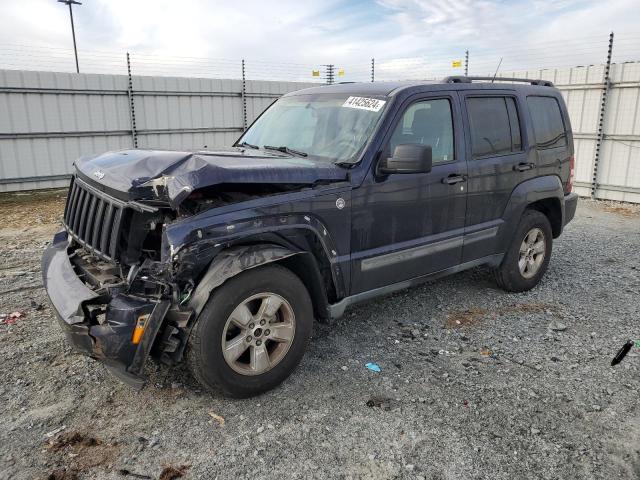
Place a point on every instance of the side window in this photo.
(547, 122)
(427, 123)
(495, 128)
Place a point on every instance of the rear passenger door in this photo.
(496, 163)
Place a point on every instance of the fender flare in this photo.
(231, 262)
(526, 193)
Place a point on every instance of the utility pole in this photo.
(73, 30)
(373, 69)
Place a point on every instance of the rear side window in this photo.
(547, 122)
(495, 128)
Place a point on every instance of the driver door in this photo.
(406, 225)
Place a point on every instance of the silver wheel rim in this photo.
(258, 334)
(532, 252)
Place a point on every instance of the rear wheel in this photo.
(252, 332)
(527, 259)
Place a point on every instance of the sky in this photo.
(293, 37)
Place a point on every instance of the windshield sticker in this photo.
(362, 103)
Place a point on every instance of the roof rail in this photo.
(463, 79)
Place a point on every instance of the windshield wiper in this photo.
(345, 164)
(245, 144)
(285, 149)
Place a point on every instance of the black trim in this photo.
(336, 310)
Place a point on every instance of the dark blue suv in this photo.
(335, 195)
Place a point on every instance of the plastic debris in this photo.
(217, 418)
(374, 367)
(486, 352)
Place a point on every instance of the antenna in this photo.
(494, 75)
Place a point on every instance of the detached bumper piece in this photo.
(100, 326)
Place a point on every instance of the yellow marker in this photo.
(139, 330)
(341, 72)
(315, 73)
(456, 63)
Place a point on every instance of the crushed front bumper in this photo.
(108, 340)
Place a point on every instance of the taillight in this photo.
(572, 170)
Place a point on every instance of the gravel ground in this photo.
(475, 382)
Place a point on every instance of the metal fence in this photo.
(604, 107)
(49, 119)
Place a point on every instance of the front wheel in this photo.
(252, 332)
(528, 257)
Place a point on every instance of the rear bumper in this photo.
(570, 205)
(107, 337)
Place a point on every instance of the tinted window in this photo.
(547, 122)
(495, 127)
(427, 123)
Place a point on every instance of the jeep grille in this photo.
(93, 219)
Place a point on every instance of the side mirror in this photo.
(408, 158)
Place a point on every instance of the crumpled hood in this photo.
(173, 175)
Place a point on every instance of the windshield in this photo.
(333, 127)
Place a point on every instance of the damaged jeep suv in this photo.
(335, 195)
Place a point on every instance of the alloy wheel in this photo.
(532, 252)
(258, 334)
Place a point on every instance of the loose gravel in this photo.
(475, 382)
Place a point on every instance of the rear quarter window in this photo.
(548, 125)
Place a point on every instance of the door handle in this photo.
(523, 167)
(454, 178)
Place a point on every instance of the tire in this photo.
(509, 275)
(293, 322)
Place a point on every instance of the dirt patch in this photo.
(472, 316)
(72, 439)
(169, 472)
(82, 452)
(623, 211)
(32, 209)
(465, 318)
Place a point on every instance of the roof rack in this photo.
(463, 79)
